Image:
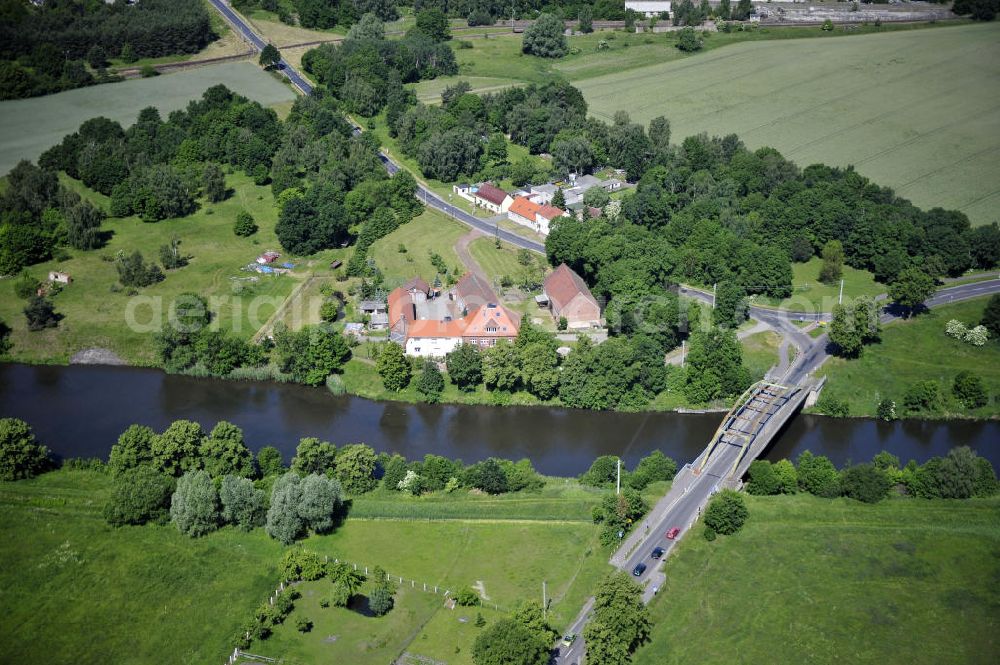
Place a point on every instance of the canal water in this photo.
(79, 411)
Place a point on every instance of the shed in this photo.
(61, 277)
(336, 264)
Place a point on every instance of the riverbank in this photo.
(832, 581)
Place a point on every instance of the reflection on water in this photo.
(79, 411)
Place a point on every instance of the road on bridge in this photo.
(423, 193)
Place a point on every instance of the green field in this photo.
(95, 316)
(497, 263)
(811, 295)
(431, 231)
(917, 350)
(28, 127)
(760, 352)
(811, 580)
(913, 110)
(77, 590)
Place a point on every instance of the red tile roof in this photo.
(491, 193)
(491, 321)
(430, 328)
(473, 291)
(562, 285)
(524, 207)
(400, 306)
(550, 212)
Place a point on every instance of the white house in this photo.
(648, 8)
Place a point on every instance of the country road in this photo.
(423, 193)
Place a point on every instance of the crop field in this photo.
(917, 350)
(28, 127)
(811, 580)
(98, 314)
(918, 111)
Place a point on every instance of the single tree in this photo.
(269, 57)
(559, 199)
(545, 38)
(270, 462)
(465, 367)
(97, 58)
(314, 456)
(393, 367)
(585, 16)
(726, 512)
(319, 502)
(245, 225)
(509, 642)
(194, 507)
(970, 390)
(431, 382)
(865, 482)
(434, 24)
(41, 314)
(283, 520)
(689, 41)
(242, 503)
(214, 183)
(911, 288)
(139, 495)
(134, 447)
(356, 466)
(833, 262)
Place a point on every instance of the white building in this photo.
(648, 7)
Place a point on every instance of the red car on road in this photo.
(672, 534)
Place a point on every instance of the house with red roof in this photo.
(536, 216)
(568, 296)
(491, 197)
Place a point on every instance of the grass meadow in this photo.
(97, 316)
(913, 110)
(77, 590)
(917, 350)
(811, 580)
(761, 352)
(28, 127)
(432, 231)
(811, 295)
(497, 263)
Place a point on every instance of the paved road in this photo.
(427, 196)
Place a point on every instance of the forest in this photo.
(46, 48)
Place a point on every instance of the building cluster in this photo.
(430, 322)
(533, 207)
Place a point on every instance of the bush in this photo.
(148, 71)
(303, 625)
(865, 483)
(244, 226)
(467, 597)
(763, 480)
(709, 534)
(26, 286)
(20, 454)
(139, 495)
(831, 406)
(922, 396)
(726, 513)
(969, 389)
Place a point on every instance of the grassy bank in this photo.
(834, 581)
(917, 350)
(79, 591)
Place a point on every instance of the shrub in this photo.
(763, 480)
(467, 597)
(380, 600)
(831, 406)
(969, 389)
(26, 286)
(303, 625)
(726, 513)
(139, 495)
(709, 534)
(865, 483)
(20, 454)
(886, 410)
(922, 396)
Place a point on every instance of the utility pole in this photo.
(545, 602)
(683, 345)
(618, 484)
(840, 299)
(714, 287)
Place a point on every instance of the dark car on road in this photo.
(656, 553)
(639, 570)
(673, 533)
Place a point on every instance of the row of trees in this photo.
(43, 47)
(959, 475)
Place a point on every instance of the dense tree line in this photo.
(43, 46)
(961, 474)
(366, 71)
(38, 216)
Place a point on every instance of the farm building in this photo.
(567, 295)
